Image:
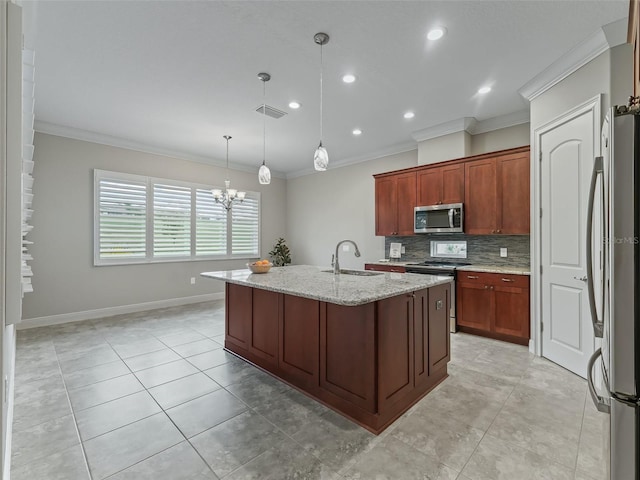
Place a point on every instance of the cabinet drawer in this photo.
(495, 279)
(385, 268)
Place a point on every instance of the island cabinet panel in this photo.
(267, 307)
(395, 350)
(347, 353)
(238, 308)
(421, 337)
(299, 340)
(438, 314)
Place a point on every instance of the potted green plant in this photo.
(280, 254)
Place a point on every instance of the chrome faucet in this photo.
(335, 263)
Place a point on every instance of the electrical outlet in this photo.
(193, 280)
(503, 252)
(402, 250)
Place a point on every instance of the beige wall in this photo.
(324, 208)
(446, 147)
(65, 280)
(501, 139)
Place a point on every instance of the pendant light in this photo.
(229, 195)
(321, 157)
(264, 174)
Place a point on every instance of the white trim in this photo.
(599, 42)
(119, 310)
(10, 404)
(446, 128)
(497, 123)
(102, 139)
(593, 105)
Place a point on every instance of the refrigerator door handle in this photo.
(601, 403)
(598, 326)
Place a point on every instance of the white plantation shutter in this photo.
(141, 219)
(211, 225)
(171, 221)
(245, 226)
(122, 206)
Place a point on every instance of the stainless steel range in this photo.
(448, 269)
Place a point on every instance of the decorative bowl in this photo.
(259, 268)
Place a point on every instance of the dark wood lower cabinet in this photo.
(494, 305)
(369, 362)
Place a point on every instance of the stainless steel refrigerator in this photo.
(615, 298)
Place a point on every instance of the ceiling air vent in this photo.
(270, 111)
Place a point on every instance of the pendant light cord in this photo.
(264, 121)
(321, 69)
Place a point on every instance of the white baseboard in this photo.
(6, 474)
(119, 310)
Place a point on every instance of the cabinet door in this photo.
(513, 193)
(347, 353)
(385, 268)
(395, 350)
(406, 190)
(453, 184)
(386, 206)
(264, 325)
(480, 197)
(421, 333)
(511, 311)
(439, 346)
(238, 313)
(474, 306)
(429, 186)
(299, 346)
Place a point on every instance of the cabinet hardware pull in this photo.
(486, 287)
(499, 231)
(472, 276)
(493, 231)
(491, 287)
(507, 280)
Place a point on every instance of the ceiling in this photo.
(178, 75)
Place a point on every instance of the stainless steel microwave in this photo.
(447, 218)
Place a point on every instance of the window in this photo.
(142, 219)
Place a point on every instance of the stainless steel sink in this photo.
(360, 273)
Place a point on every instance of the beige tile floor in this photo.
(153, 395)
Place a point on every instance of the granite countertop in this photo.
(506, 269)
(498, 269)
(312, 282)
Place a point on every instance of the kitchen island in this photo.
(367, 346)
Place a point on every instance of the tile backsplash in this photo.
(481, 249)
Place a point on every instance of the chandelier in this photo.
(229, 195)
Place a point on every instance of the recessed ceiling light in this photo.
(408, 115)
(357, 131)
(349, 78)
(484, 90)
(436, 33)
(294, 105)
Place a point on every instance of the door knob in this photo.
(582, 279)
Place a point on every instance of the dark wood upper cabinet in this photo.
(441, 185)
(395, 199)
(513, 194)
(497, 195)
(480, 197)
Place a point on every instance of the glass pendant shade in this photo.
(264, 175)
(321, 158)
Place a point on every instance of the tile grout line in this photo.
(73, 414)
(170, 419)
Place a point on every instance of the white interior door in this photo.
(567, 157)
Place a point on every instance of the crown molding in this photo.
(383, 152)
(102, 139)
(503, 121)
(604, 38)
(453, 126)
